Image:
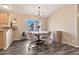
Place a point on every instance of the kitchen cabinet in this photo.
(4, 18)
(1, 39)
(6, 37)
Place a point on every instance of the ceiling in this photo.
(32, 9)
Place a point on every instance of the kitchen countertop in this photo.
(2, 28)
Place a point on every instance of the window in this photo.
(32, 24)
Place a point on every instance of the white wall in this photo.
(78, 29)
(78, 24)
(65, 19)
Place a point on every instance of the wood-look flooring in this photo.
(19, 48)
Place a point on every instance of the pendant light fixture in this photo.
(38, 12)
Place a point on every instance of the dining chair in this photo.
(31, 38)
(47, 39)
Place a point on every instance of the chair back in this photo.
(31, 36)
(46, 36)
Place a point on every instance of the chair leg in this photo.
(29, 46)
(48, 45)
(28, 49)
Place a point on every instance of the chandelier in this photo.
(39, 12)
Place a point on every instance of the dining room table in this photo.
(39, 43)
(38, 34)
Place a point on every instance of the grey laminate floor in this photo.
(19, 48)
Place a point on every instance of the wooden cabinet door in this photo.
(3, 18)
(1, 39)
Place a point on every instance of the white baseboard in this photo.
(70, 44)
(17, 39)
